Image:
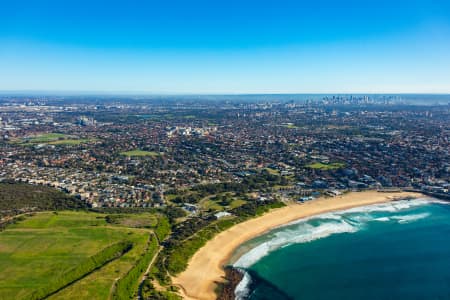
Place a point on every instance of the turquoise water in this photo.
(389, 251)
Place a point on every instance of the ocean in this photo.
(398, 250)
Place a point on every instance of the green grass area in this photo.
(127, 286)
(71, 142)
(37, 251)
(137, 153)
(289, 125)
(52, 139)
(99, 284)
(83, 268)
(214, 205)
(162, 229)
(272, 171)
(322, 166)
(210, 204)
(142, 220)
(236, 203)
(45, 138)
(170, 197)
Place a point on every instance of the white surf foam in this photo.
(382, 219)
(243, 288)
(305, 233)
(410, 218)
(382, 207)
(345, 221)
(389, 206)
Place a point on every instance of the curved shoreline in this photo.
(205, 268)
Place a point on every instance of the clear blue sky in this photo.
(230, 46)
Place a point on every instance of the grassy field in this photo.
(210, 204)
(322, 166)
(71, 142)
(99, 284)
(138, 152)
(52, 139)
(290, 126)
(46, 245)
(46, 138)
(142, 220)
(272, 171)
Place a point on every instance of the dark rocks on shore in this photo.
(226, 289)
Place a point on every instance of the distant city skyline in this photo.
(232, 47)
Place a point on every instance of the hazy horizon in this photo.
(181, 94)
(250, 47)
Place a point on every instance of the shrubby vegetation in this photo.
(192, 197)
(173, 213)
(251, 209)
(84, 268)
(123, 210)
(260, 181)
(114, 219)
(139, 220)
(162, 229)
(127, 286)
(17, 198)
(177, 260)
(12, 220)
(191, 235)
(150, 293)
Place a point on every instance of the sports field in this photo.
(52, 139)
(138, 152)
(322, 166)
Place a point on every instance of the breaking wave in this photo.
(243, 287)
(322, 226)
(410, 218)
(291, 236)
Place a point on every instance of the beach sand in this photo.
(205, 268)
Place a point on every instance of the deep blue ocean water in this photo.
(397, 250)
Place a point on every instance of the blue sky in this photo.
(229, 46)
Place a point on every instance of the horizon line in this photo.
(149, 93)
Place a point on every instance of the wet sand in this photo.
(205, 268)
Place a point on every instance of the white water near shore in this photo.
(205, 268)
(322, 226)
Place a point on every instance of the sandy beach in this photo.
(198, 281)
